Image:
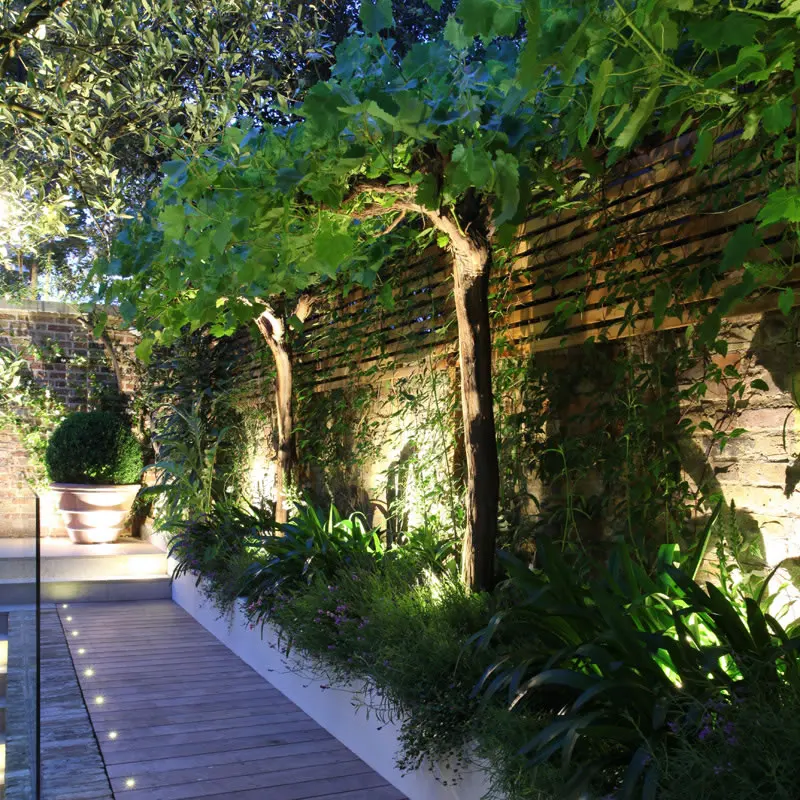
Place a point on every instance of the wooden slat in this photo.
(654, 207)
(193, 721)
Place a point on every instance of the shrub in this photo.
(737, 747)
(95, 447)
(614, 660)
(403, 639)
(218, 547)
(312, 544)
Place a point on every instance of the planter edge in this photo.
(333, 708)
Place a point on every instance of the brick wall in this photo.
(76, 366)
(759, 470)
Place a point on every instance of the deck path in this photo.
(179, 716)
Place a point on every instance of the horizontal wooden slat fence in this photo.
(588, 271)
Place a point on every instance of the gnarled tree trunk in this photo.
(273, 329)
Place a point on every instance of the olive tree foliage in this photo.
(93, 94)
(517, 100)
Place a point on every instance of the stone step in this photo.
(63, 561)
(121, 588)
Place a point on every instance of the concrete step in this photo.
(111, 588)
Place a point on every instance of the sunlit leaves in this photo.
(638, 119)
(781, 205)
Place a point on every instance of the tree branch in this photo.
(305, 304)
(396, 222)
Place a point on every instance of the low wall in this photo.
(335, 709)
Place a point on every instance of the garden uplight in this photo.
(81, 651)
(99, 700)
(112, 735)
(89, 672)
(130, 783)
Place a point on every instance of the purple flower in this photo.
(705, 732)
(331, 647)
(673, 726)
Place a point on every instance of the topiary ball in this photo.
(94, 447)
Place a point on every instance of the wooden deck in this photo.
(179, 716)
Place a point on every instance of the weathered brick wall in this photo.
(75, 366)
(759, 470)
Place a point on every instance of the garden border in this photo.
(334, 708)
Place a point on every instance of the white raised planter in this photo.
(336, 709)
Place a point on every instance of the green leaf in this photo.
(778, 116)
(222, 235)
(638, 119)
(144, 350)
(376, 15)
(599, 86)
(760, 385)
(477, 16)
(661, 298)
(173, 218)
(428, 192)
(786, 301)
(332, 250)
(295, 323)
(782, 204)
(436, 5)
(127, 311)
(386, 297)
(703, 148)
(454, 34)
(505, 21)
(176, 171)
(506, 186)
(735, 294)
(744, 240)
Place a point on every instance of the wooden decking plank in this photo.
(308, 790)
(204, 725)
(278, 753)
(275, 782)
(145, 719)
(288, 766)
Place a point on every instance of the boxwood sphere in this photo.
(94, 447)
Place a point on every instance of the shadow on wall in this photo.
(755, 477)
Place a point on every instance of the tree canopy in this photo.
(268, 212)
(517, 107)
(92, 95)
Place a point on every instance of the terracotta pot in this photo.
(94, 514)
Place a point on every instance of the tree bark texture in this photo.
(472, 261)
(273, 329)
(274, 333)
(471, 265)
